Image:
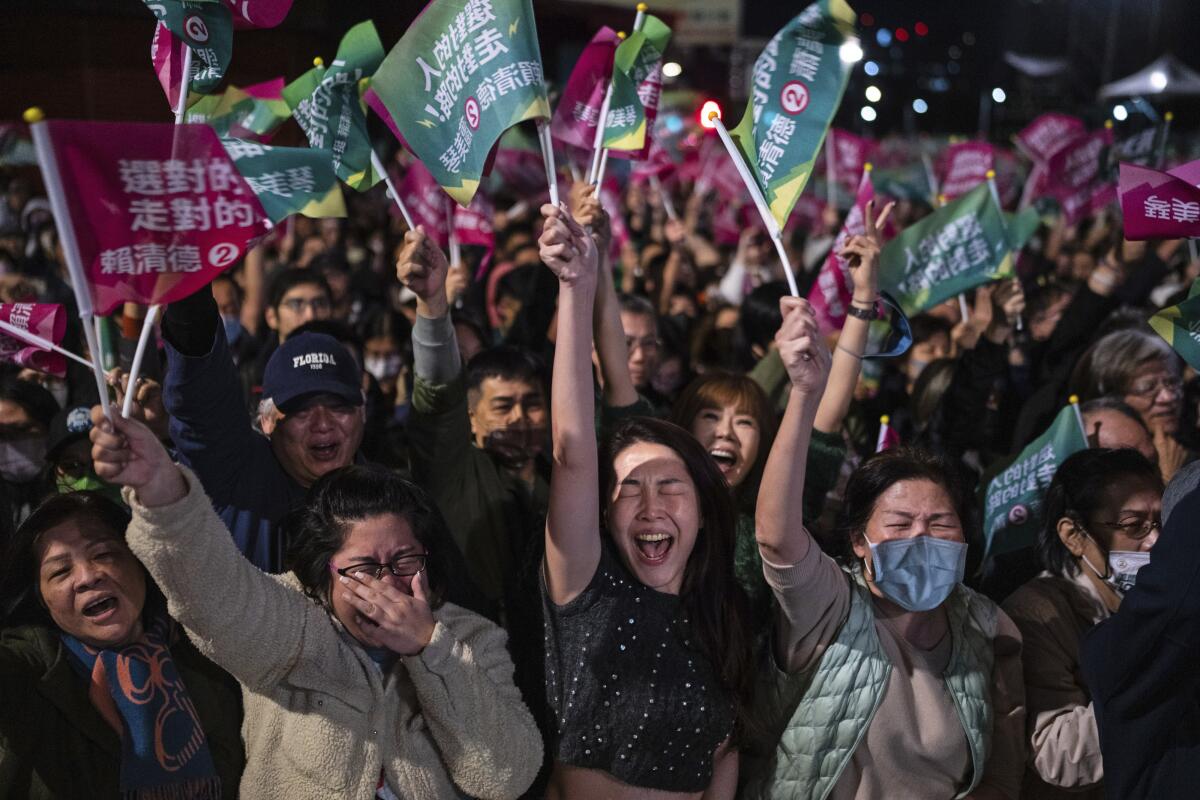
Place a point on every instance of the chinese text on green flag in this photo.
(327, 102)
(463, 73)
(1013, 500)
(288, 180)
(636, 85)
(797, 86)
(959, 246)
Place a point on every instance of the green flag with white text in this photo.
(327, 102)
(463, 73)
(959, 246)
(1013, 499)
(796, 88)
(636, 85)
(288, 180)
(1180, 326)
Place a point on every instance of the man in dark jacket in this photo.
(311, 415)
(1142, 665)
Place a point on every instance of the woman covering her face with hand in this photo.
(356, 681)
(889, 677)
(648, 659)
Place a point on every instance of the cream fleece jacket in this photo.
(321, 719)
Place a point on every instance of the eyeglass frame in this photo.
(297, 304)
(1173, 383)
(1145, 527)
(379, 567)
(646, 345)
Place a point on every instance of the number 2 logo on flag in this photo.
(793, 97)
(195, 28)
(471, 109)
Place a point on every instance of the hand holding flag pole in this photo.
(455, 246)
(543, 129)
(764, 211)
(66, 235)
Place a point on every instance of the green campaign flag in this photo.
(327, 102)
(288, 180)
(909, 182)
(203, 26)
(1180, 326)
(463, 73)
(959, 246)
(255, 112)
(1021, 226)
(797, 86)
(1013, 500)
(636, 82)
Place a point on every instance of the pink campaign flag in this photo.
(1158, 204)
(426, 202)
(833, 289)
(1048, 134)
(657, 165)
(578, 112)
(1189, 172)
(964, 166)
(851, 153)
(44, 320)
(473, 227)
(1075, 176)
(158, 210)
(610, 200)
(888, 438)
(258, 13)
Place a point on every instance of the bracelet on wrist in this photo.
(849, 352)
(868, 314)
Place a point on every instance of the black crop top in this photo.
(630, 692)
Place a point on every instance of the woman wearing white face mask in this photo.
(890, 678)
(1102, 515)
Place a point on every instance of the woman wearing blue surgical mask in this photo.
(1102, 515)
(889, 677)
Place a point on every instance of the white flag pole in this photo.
(66, 234)
(668, 205)
(759, 201)
(1074, 401)
(831, 169)
(377, 165)
(29, 337)
(543, 129)
(455, 247)
(599, 152)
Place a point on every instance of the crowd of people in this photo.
(598, 521)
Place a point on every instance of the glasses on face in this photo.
(1148, 388)
(403, 567)
(297, 304)
(647, 345)
(1137, 529)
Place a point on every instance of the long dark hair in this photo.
(879, 473)
(1080, 484)
(711, 595)
(317, 530)
(20, 598)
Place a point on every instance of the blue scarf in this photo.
(138, 691)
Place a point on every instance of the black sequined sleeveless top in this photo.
(630, 692)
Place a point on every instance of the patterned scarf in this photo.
(139, 693)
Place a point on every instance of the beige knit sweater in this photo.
(321, 719)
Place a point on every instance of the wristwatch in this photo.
(868, 314)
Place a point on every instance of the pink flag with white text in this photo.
(1048, 134)
(578, 112)
(1158, 204)
(46, 320)
(833, 289)
(962, 167)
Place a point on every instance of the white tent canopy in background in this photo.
(1167, 76)
(1037, 66)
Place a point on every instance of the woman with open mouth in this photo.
(357, 680)
(101, 694)
(648, 650)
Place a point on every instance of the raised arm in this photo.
(207, 583)
(862, 255)
(572, 541)
(606, 326)
(779, 516)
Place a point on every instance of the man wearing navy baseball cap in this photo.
(311, 412)
(312, 406)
